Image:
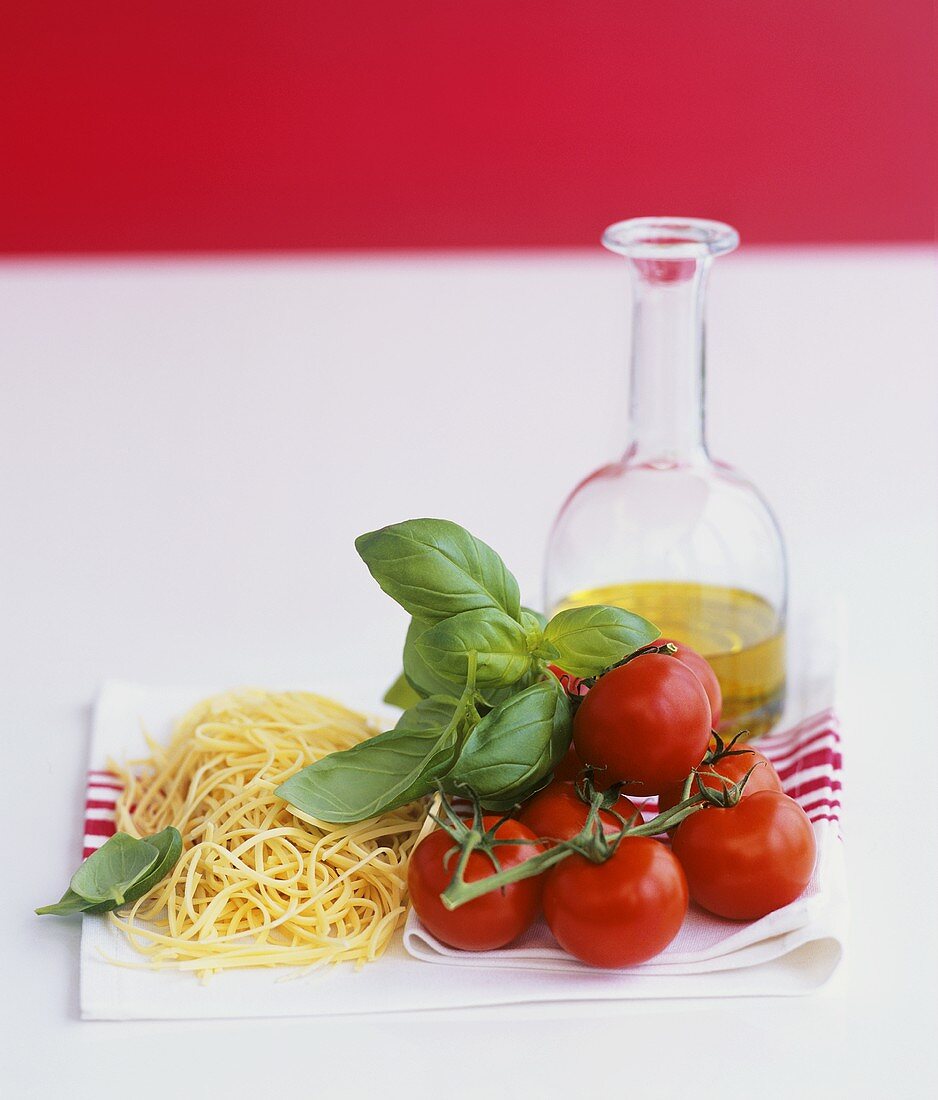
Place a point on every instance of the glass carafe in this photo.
(666, 531)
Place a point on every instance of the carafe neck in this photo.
(669, 259)
(666, 399)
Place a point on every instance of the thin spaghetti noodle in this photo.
(258, 883)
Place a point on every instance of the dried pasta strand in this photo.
(257, 883)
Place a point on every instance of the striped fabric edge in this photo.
(100, 809)
(808, 758)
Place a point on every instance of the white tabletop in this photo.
(188, 450)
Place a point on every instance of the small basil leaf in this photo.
(401, 694)
(497, 640)
(538, 646)
(380, 774)
(168, 843)
(590, 639)
(514, 747)
(530, 617)
(435, 568)
(418, 673)
(108, 873)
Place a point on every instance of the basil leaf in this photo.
(382, 773)
(514, 747)
(417, 672)
(435, 568)
(69, 903)
(401, 694)
(428, 714)
(590, 639)
(108, 873)
(498, 642)
(168, 843)
(491, 696)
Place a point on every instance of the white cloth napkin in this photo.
(793, 951)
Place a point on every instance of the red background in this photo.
(275, 124)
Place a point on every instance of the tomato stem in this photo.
(668, 647)
(592, 842)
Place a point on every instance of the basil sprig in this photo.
(121, 871)
(481, 712)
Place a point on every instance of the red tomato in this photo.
(621, 912)
(732, 769)
(646, 723)
(571, 767)
(704, 673)
(750, 859)
(484, 923)
(559, 813)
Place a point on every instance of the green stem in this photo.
(470, 844)
(591, 843)
(670, 818)
(460, 892)
(668, 648)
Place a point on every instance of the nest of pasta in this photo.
(259, 884)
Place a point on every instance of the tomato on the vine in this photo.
(704, 673)
(729, 769)
(646, 723)
(558, 812)
(621, 912)
(747, 860)
(490, 921)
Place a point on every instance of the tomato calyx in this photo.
(722, 749)
(588, 793)
(728, 794)
(473, 836)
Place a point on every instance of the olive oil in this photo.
(738, 632)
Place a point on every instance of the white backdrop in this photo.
(189, 449)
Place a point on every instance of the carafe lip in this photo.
(670, 238)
